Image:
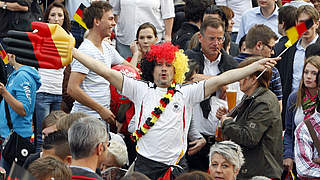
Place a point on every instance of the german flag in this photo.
(78, 15)
(3, 55)
(295, 32)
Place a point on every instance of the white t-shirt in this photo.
(51, 81)
(167, 139)
(133, 13)
(94, 85)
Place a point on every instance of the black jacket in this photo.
(226, 63)
(184, 34)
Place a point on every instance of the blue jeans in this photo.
(45, 103)
(124, 50)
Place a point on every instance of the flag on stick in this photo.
(295, 32)
(78, 15)
(3, 55)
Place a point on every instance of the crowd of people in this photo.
(147, 92)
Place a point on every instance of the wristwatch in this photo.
(5, 6)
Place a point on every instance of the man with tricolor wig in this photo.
(163, 106)
(291, 65)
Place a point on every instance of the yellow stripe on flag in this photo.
(3, 55)
(292, 34)
(77, 18)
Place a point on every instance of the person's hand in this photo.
(316, 160)
(288, 164)
(223, 92)
(199, 77)
(267, 63)
(119, 126)
(107, 115)
(221, 111)
(196, 145)
(167, 38)
(49, 46)
(2, 89)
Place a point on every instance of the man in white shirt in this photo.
(162, 136)
(91, 92)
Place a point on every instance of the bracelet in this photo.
(4, 6)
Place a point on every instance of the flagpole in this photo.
(277, 57)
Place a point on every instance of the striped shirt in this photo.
(94, 85)
(305, 151)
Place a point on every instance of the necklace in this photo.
(155, 114)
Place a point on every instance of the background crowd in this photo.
(88, 121)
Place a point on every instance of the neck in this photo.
(17, 66)
(250, 91)
(306, 41)
(267, 11)
(312, 91)
(95, 38)
(250, 51)
(212, 57)
(89, 162)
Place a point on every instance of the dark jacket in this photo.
(258, 130)
(82, 174)
(184, 34)
(226, 63)
(285, 67)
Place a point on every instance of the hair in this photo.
(95, 11)
(194, 68)
(194, 10)
(315, 61)
(288, 16)
(119, 151)
(53, 118)
(194, 41)
(230, 151)
(211, 22)
(259, 32)
(309, 10)
(312, 50)
(84, 135)
(168, 53)
(260, 178)
(227, 11)
(265, 78)
(213, 9)
(242, 40)
(66, 21)
(65, 122)
(135, 176)
(146, 26)
(195, 175)
(57, 140)
(227, 41)
(50, 168)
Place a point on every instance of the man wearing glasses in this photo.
(260, 41)
(212, 60)
(89, 141)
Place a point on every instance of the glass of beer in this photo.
(231, 95)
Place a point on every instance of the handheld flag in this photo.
(78, 16)
(295, 32)
(3, 55)
(49, 47)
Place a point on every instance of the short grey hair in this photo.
(230, 151)
(84, 135)
(119, 151)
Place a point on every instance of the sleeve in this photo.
(24, 3)
(167, 9)
(133, 88)
(193, 133)
(304, 153)
(275, 83)
(250, 133)
(289, 132)
(241, 31)
(221, 2)
(194, 92)
(117, 58)
(23, 91)
(115, 6)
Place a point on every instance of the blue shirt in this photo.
(253, 17)
(298, 63)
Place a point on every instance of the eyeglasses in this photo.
(270, 47)
(211, 39)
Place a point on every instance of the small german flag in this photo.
(78, 15)
(3, 55)
(295, 32)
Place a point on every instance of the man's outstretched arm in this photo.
(213, 83)
(113, 76)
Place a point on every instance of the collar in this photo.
(84, 168)
(215, 61)
(190, 25)
(256, 92)
(257, 11)
(299, 47)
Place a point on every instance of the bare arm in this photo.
(13, 6)
(168, 24)
(15, 105)
(234, 75)
(113, 76)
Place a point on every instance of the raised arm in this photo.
(234, 75)
(114, 77)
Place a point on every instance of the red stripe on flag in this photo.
(79, 12)
(301, 28)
